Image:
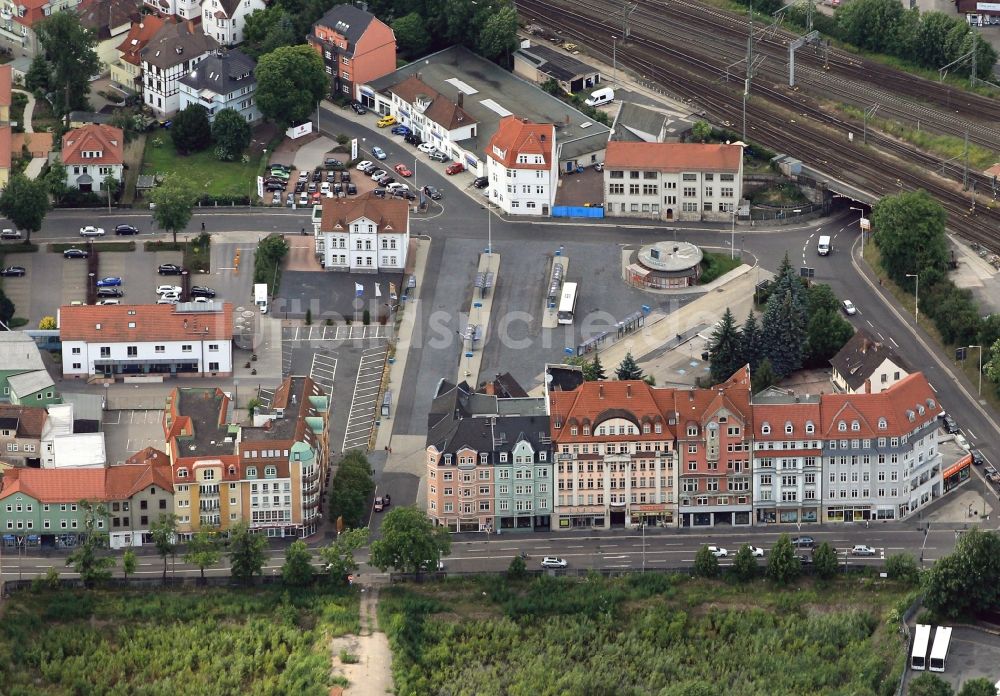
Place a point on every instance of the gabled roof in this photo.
(229, 8)
(594, 402)
(637, 123)
(142, 323)
(93, 484)
(139, 35)
(904, 406)
(30, 419)
(673, 157)
(222, 72)
(30, 382)
(102, 16)
(150, 455)
(178, 43)
(19, 352)
(348, 21)
(94, 137)
(441, 110)
(553, 63)
(390, 215)
(861, 356)
(519, 136)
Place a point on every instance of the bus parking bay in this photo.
(972, 653)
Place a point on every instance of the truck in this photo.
(260, 297)
(823, 246)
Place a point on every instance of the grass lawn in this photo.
(206, 641)
(210, 176)
(197, 252)
(714, 266)
(645, 634)
(98, 246)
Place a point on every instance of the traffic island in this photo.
(473, 334)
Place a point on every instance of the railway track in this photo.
(695, 80)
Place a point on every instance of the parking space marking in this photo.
(266, 396)
(301, 334)
(364, 400)
(323, 371)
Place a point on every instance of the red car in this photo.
(455, 168)
(402, 170)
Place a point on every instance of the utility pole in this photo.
(746, 86)
(972, 76)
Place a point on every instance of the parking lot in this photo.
(365, 402)
(972, 654)
(137, 269)
(131, 430)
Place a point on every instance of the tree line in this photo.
(801, 326)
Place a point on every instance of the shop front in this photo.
(582, 517)
(651, 515)
(848, 513)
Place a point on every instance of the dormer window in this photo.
(765, 429)
(692, 431)
(658, 428)
(645, 428)
(182, 473)
(572, 431)
(586, 430)
(855, 425)
(788, 428)
(842, 426)
(810, 428)
(883, 424)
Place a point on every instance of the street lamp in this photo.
(614, 58)
(916, 296)
(732, 237)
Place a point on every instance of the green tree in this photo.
(706, 565)
(70, 50)
(164, 534)
(910, 235)
(902, 567)
(173, 201)
(980, 686)
(24, 202)
(297, 570)
(410, 542)
(594, 370)
(870, 24)
(989, 332)
(267, 30)
(231, 133)
(783, 332)
(701, 131)
(928, 684)
(750, 353)
(724, 349)
(827, 332)
(825, 561)
(628, 368)
(351, 490)
(517, 569)
(246, 552)
(992, 367)
(55, 180)
(290, 80)
(820, 297)
(191, 130)
(782, 565)
(38, 77)
(744, 564)
(129, 562)
(204, 550)
(270, 252)
(338, 557)
(47, 323)
(86, 559)
(6, 308)
(967, 578)
(411, 34)
(764, 377)
(498, 36)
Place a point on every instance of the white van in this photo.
(604, 95)
(823, 246)
(260, 297)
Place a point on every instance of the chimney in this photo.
(566, 119)
(600, 391)
(190, 26)
(489, 388)
(461, 99)
(628, 391)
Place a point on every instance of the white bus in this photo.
(567, 305)
(939, 653)
(921, 641)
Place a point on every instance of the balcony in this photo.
(208, 505)
(310, 503)
(311, 489)
(311, 477)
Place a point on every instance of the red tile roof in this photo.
(94, 137)
(594, 402)
(138, 36)
(143, 323)
(30, 419)
(516, 136)
(6, 72)
(441, 110)
(673, 157)
(778, 415)
(899, 405)
(389, 214)
(96, 484)
(5, 152)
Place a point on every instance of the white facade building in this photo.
(169, 340)
(184, 9)
(362, 235)
(865, 365)
(521, 167)
(225, 20)
(224, 80)
(170, 55)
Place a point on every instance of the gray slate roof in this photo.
(555, 64)
(18, 351)
(177, 43)
(222, 73)
(349, 21)
(861, 356)
(457, 414)
(30, 382)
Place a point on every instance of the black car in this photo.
(338, 189)
(75, 254)
(300, 187)
(274, 186)
(201, 291)
(110, 292)
(352, 190)
(806, 542)
(481, 182)
(432, 193)
(126, 229)
(169, 269)
(317, 175)
(804, 559)
(359, 109)
(413, 139)
(332, 163)
(379, 193)
(13, 271)
(345, 176)
(386, 181)
(950, 425)
(404, 193)
(977, 458)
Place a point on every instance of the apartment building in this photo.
(224, 80)
(171, 54)
(184, 10)
(363, 234)
(225, 20)
(110, 21)
(673, 181)
(521, 166)
(126, 67)
(19, 18)
(21, 430)
(489, 461)
(616, 462)
(356, 47)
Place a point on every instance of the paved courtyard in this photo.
(331, 294)
(131, 430)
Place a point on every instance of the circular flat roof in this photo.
(670, 257)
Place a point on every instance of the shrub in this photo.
(706, 565)
(902, 567)
(517, 569)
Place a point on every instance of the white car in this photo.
(172, 296)
(849, 308)
(718, 551)
(756, 552)
(396, 185)
(201, 300)
(91, 231)
(862, 550)
(554, 562)
(325, 188)
(363, 165)
(109, 302)
(161, 289)
(427, 148)
(166, 300)
(962, 442)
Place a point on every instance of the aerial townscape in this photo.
(499, 347)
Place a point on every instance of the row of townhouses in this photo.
(215, 473)
(623, 453)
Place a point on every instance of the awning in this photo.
(962, 463)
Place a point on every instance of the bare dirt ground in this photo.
(371, 675)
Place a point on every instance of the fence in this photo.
(577, 211)
(786, 215)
